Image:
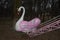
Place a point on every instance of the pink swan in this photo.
(26, 26)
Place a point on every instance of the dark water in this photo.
(7, 32)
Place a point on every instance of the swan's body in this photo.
(26, 26)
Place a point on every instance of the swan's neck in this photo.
(22, 17)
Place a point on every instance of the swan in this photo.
(26, 26)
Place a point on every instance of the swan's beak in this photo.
(18, 13)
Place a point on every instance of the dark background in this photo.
(8, 18)
(6, 8)
(40, 9)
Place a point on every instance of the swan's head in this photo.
(19, 9)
